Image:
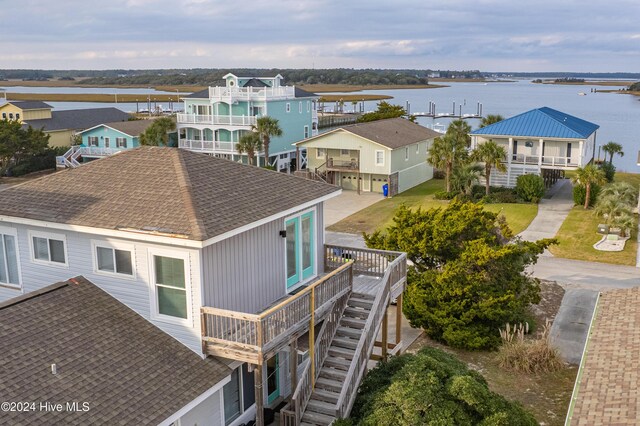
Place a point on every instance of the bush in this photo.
(431, 387)
(530, 188)
(444, 195)
(36, 163)
(438, 174)
(580, 192)
(609, 171)
(528, 356)
(503, 197)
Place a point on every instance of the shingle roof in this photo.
(128, 370)
(202, 94)
(78, 119)
(392, 133)
(163, 190)
(607, 391)
(254, 82)
(26, 105)
(299, 93)
(132, 128)
(541, 122)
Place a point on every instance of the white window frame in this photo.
(288, 107)
(12, 232)
(91, 140)
(306, 132)
(418, 148)
(308, 106)
(406, 153)
(49, 236)
(121, 143)
(107, 142)
(376, 157)
(155, 309)
(320, 151)
(113, 246)
(300, 107)
(314, 232)
(346, 152)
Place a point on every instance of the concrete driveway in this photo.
(346, 204)
(551, 212)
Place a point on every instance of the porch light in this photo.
(283, 233)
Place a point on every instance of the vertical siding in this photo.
(134, 293)
(408, 178)
(207, 413)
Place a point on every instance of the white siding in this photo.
(408, 178)
(207, 413)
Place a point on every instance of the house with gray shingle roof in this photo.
(367, 156)
(227, 259)
(542, 141)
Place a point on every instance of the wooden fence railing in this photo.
(365, 261)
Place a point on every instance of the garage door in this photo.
(350, 182)
(376, 183)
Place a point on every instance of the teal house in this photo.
(215, 119)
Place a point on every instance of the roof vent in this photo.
(54, 368)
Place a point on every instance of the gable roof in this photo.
(202, 94)
(131, 128)
(299, 93)
(392, 133)
(606, 390)
(27, 105)
(541, 122)
(78, 119)
(162, 191)
(127, 369)
(254, 82)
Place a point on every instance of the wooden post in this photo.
(298, 159)
(399, 320)
(312, 336)
(293, 365)
(358, 181)
(203, 332)
(259, 395)
(385, 332)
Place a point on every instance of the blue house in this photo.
(542, 141)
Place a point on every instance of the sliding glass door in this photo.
(300, 251)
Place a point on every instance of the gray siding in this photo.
(135, 293)
(207, 413)
(246, 272)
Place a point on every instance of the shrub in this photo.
(580, 191)
(438, 174)
(528, 356)
(530, 188)
(444, 195)
(431, 387)
(609, 171)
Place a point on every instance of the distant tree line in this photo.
(635, 87)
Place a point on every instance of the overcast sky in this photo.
(490, 35)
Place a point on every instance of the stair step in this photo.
(344, 342)
(353, 322)
(365, 296)
(321, 407)
(353, 333)
(357, 302)
(341, 352)
(356, 313)
(325, 395)
(337, 363)
(328, 384)
(315, 418)
(333, 374)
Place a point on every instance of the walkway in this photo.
(551, 212)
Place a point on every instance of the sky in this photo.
(489, 35)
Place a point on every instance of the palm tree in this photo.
(492, 155)
(157, 134)
(459, 130)
(251, 144)
(588, 176)
(612, 148)
(622, 191)
(266, 127)
(615, 213)
(490, 119)
(465, 176)
(445, 153)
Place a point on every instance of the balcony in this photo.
(208, 146)
(342, 165)
(218, 120)
(257, 337)
(228, 94)
(546, 161)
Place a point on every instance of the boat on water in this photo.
(582, 94)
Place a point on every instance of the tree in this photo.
(385, 110)
(612, 148)
(490, 119)
(588, 176)
(267, 127)
(465, 176)
(492, 155)
(18, 144)
(621, 191)
(459, 130)
(445, 153)
(157, 134)
(251, 144)
(467, 278)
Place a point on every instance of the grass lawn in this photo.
(380, 214)
(577, 235)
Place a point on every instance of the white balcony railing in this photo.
(546, 160)
(250, 93)
(208, 146)
(229, 120)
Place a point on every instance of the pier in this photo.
(431, 113)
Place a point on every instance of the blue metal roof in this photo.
(542, 122)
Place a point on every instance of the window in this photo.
(9, 270)
(406, 154)
(300, 249)
(288, 107)
(306, 132)
(231, 393)
(344, 152)
(48, 248)
(320, 152)
(92, 140)
(417, 148)
(10, 116)
(121, 142)
(107, 142)
(113, 260)
(170, 285)
(4, 115)
(17, 116)
(379, 158)
(300, 107)
(308, 106)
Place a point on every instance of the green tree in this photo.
(18, 145)
(612, 148)
(622, 191)
(249, 143)
(492, 155)
(588, 176)
(385, 110)
(465, 176)
(157, 134)
(459, 130)
(445, 153)
(490, 119)
(466, 279)
(267, 127)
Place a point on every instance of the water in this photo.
(617, 114)
(98, 90)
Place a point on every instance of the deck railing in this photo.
(342, 164)
(247, 93)
(365, 261)
(207, 146)
(229, 120)
(547, 160)
(253, 337)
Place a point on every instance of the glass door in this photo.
(308, 251)
(293, 249)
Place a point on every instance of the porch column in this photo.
(297, 158)
(580, 151)
(259, 395)
(509, 159)
(293, 365)
(385, 332)
(399, 320)
(540, 146)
